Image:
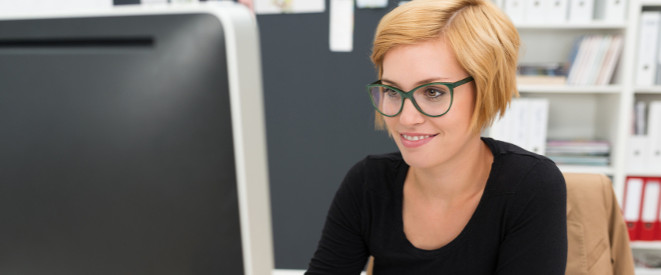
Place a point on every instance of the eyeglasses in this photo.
(432, 99)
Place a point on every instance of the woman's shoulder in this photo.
(376, 172)
(380, 163)
(515, 169)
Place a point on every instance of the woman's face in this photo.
(429, 141)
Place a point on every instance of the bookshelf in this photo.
(601, 112)
(648, 90)
(645, 244)
(586, 112)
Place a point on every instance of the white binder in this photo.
(515, 10)
(524, 124)
(637, 154)
(650, 201)
(648, 39)
(556, 10)
(654, 133)
(534, 11)
(610, 10)
(538, 123)
(632, 200)
(504, 128)
(581, 11)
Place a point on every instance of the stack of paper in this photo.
(579, 152)
(542, 74)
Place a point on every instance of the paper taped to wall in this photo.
(341, 25)
(288, 6)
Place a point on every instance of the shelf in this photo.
(648, 271)
(650, 3)
(600, 25)
(644, 174)
(648, 90)
(607, 170)
(610, 89)
(645, 244)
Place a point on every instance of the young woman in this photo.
(450, 201)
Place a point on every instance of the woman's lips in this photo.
(411, 140)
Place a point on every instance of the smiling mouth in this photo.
(416, 138)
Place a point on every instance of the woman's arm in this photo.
(535, 240)
(342, 248)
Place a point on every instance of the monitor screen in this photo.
(132, 142)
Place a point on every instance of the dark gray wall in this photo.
(319, 121)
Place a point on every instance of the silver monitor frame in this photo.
(245, 81)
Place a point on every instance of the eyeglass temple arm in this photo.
(463, 81)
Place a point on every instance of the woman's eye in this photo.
(390, 92)
(433, 92)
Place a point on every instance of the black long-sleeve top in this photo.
(519, 226)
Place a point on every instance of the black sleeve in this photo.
(535, 241)
(342, 248)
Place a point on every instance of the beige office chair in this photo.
(597, 235)
(598, 241)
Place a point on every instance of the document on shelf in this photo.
(534, 11)
(654, 133)
(515, 10)
(610, 10)
(524, 124)
(647, 48)
(556, 11)
(581, 11)
(637, 154)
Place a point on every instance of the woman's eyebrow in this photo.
(424, 81)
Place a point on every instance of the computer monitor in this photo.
(132, 141)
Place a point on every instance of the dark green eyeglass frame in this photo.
(409, 95)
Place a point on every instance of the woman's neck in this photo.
(457, 179)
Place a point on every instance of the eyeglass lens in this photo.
(432, 100)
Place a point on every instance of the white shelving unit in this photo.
(590, 112)
(636, 93)
(579, 111)
(593, 112)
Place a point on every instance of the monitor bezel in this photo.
(247, 109)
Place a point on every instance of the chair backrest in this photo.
(598, 242)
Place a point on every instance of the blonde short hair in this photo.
(484, 40)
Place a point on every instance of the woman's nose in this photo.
(410, 115)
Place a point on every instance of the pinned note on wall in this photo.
(371, 3)
(341, 25)
(31, 6)
(288, 6)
